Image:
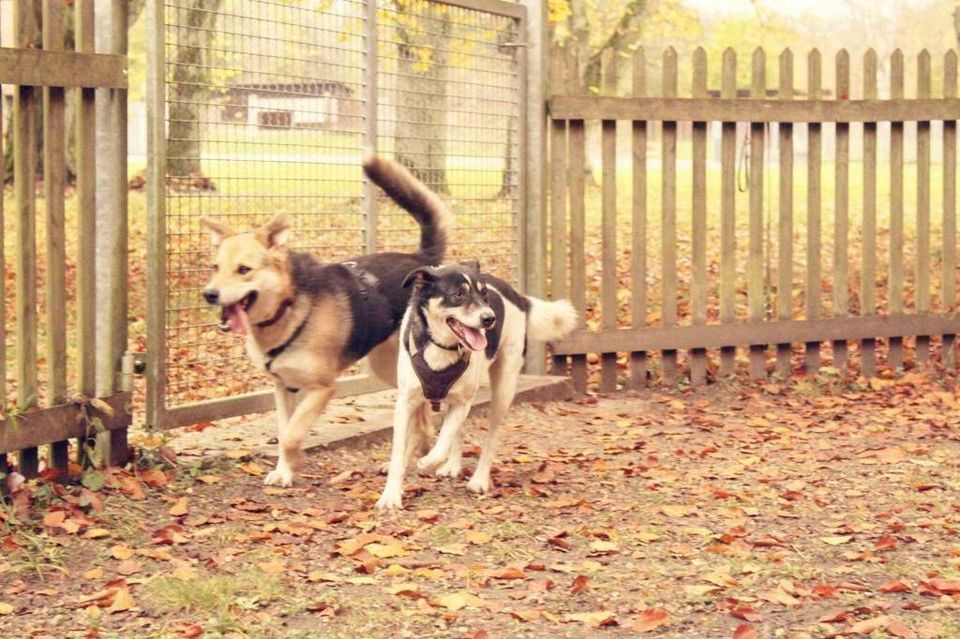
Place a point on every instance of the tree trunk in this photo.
(189, 87)
(422, 103)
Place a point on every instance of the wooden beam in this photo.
(755, 333)
(41, 426)
(751, 110)
(40, 68)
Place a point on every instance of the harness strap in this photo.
(437, 383)
(284, 305)
(275, 352)
(365, 279)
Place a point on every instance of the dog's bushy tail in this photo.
(548, 321)
(426, 207)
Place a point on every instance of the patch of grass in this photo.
(38, 555)
(218, 595)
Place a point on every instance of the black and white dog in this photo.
(460, 324)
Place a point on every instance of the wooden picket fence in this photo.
(840, 308)
(63, 404)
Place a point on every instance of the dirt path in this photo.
(776, 511)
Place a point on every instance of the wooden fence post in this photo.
(755, 285)
(728, 213)
(868, 271)
(638, 310)
(950, 208)
(698, 285)
(668, 236)
(922, 280)
(785, 225)
(814, 246)
(896, 286)
(608, 259)
(841, 287)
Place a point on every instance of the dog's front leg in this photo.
(294, 431)
(449, 433)
(392, 496)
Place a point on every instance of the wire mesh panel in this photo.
(264, 114)
(263, 106)
(449, 108)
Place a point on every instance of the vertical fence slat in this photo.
(950, 208)
(54, 183)
(868, 271)
(896, 287)
(86, 217)
(578, 264)
(728, 212)
(755, 287)
(24, 177)
(638, 310)
(558, 202)
(841, 237)
(698, 287)
(785, 225)
(922, 281)
(86, 212)
(668, 238)
(608, 252)
(814, 248)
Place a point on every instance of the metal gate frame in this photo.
(531, 194)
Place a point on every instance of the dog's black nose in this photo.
(211, 295)
(488, 320)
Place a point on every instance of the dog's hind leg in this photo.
(504, 374)
(295, 431)
(449, 432)
(419, 440)
(392, 496)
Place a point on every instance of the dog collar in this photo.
(437, 383)
(284, 305)
(455, 349)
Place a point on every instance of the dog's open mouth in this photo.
(473, 338)
(233, 317)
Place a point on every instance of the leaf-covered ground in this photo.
(799, 510)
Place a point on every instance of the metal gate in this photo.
(258, 106)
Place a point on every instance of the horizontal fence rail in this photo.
(805, 226)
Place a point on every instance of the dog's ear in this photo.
(471, 265)
(218, 231)
(418, 277)
(276, 232)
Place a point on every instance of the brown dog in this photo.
(306, 322)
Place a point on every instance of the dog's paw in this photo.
(479, 485)
(279, 477)
(390, 500)
(448, 469)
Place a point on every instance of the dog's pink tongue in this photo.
(476, 339)
(238, 319)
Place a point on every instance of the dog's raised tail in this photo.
(548, 321)
(426, 207)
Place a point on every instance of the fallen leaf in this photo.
(453, 549)
(179, 508)
(122, 601)
(54, 519)
(153, 478)
(594, 619)
(745, 631)
(5, 608)
(385, 551)
(478, 538)
(510, 573)
(651, 619)
(274, 567)
(746, 613)
(835, 616)
(121, 552)
(128, 567)
(96, 533)
(463, 599)
(603, 547)
(526, 615)
(868, 626)
(252, 468)
(209, 479)
(836, 540)
(579, 583)
(894, 586)
(896, 628)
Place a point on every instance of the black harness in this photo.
(364, 279)
(437, 383)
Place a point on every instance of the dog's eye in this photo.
(243, 270)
